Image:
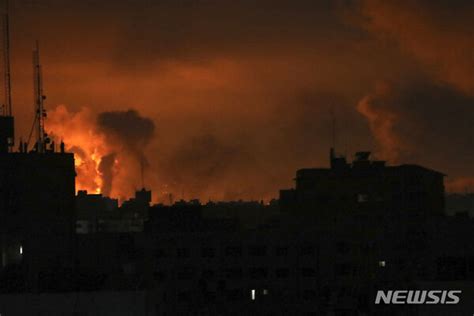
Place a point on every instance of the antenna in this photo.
(142, 171)
(333, 128)
(7, 123)
(40, 112)
(6, 62)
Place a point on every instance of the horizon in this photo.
(231, 118)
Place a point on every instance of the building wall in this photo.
(365, 185)
(78, 303)
(37, 211)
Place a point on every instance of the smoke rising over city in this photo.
(222, 157)
(229, 107)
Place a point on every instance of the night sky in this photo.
(229, 98)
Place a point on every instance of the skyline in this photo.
(235, 104)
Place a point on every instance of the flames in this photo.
(107, 146)
(77, 130)
(95, 158)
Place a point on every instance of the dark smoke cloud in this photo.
(425, 122)
(203, 164)
(439, 34)
(199, 31)
(253, 84)
(128, 130)
(128, 134)
(106, 169)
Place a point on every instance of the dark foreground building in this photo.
(365, 186)
(37, 217)
(341, 234)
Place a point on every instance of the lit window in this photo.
(21, 250)
(252, 295)
(361, 198)
(382, 264)
(265, 292)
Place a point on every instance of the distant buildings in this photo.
(365, 185)
(323, 249)
(96, 213)
(460, 204)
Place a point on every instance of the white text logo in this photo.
(418, 297)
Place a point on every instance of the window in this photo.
(362, 197)
(234, 294)
(282, 273)
(160, 253)
(451, 268)
(257, 250)
(159, 275)
(343, 269)
(182, 252)
(281, 251)
(258, 273)
(323, 198)
(208, 274)
(343, 247)
(308, 272)
(221, 285)
(307, 250)
(234, 273)
(209, 296)
(382, 264)
(208, 252)
(252, 294)
(309, 294)
(185, 274)
(233, 251)
(184, 296)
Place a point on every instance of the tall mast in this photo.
(6, 62)
(7, 123)
(142, 171)
(333, 129)
(39, 105)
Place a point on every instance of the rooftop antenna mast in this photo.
(7, 122)
(40, 112)
(332, 151)
(142, 171)
(333, 128)
(6, 62)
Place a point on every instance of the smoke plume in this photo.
(127, 129)
(383, 118)
(108, 147)
(106, 170)
(240, 106)
(422, 121)
(438, 34)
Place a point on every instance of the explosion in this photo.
(101, 145)
(78, 132)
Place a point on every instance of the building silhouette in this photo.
(365, 185)
(37, 197)
(324, 248)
